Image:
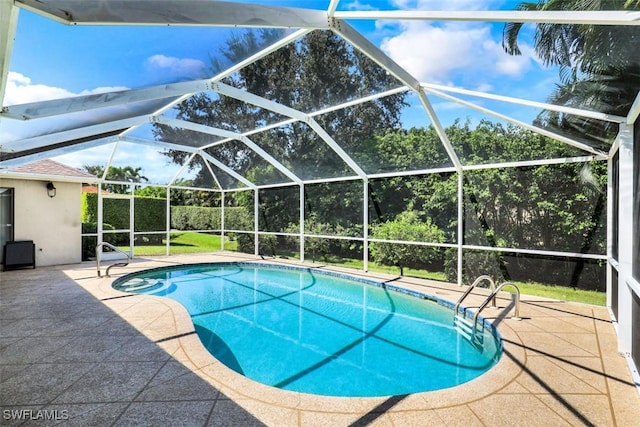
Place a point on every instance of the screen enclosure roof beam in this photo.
(52, 139)
(535, 104)
(261, 102)
(634, 111)
(601, 17)
(196, 127)
(544, 132)
(178, 13)
(8, 25)
(41, 109)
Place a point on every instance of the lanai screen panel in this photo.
(387, 135)
(309, 155)
(246, 162)
(154, 165)
(55, 116)
(279, 211)
(224, 113)
(589, 130)
(318, 71)
(481, 139)
(225, 177)
(432, 198)
(179, 136)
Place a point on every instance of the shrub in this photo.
(407, 227)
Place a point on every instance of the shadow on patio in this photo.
(67, 358)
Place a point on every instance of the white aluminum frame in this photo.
(302, 21)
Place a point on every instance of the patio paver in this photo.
(73, 348)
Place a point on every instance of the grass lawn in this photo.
(186, 243)
(562, 293)
(191, 242)
(530, 288)
(422, 274)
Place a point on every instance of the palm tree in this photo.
(578, 49)
(599, 69)
(116, 173)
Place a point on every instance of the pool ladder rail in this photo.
(117, 264)
(469, 327)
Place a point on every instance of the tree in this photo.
(544, 207)
(149, 191)
(125, 174)
(406, 227)
(317, 71)
(598, 71)
(598, 66)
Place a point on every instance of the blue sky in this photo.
(51, 60)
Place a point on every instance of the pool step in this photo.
(139, 284)
(466, 328)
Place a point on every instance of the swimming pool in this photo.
(318, 332)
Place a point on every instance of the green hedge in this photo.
(195, 218)
(150, 215)
(204, 218)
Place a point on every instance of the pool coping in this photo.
(337, 274)
(560, 364)
(174, 332)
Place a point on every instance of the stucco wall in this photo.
(52, 223)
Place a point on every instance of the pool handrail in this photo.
(112, 247)
(516, 314)
(492, 287)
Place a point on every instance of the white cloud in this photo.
(484, 87)
(509, 65)
(444, 5)
(21, 90)
(430, 52)
(358, 6)
(439, 53)
(181, 67)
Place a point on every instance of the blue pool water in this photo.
(305, 330)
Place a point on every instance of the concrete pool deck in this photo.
(74, 351)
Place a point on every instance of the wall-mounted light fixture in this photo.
(51, 189)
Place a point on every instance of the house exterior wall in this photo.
(53, 224)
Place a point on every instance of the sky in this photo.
(51, 60)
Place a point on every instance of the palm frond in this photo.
(511, 30)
